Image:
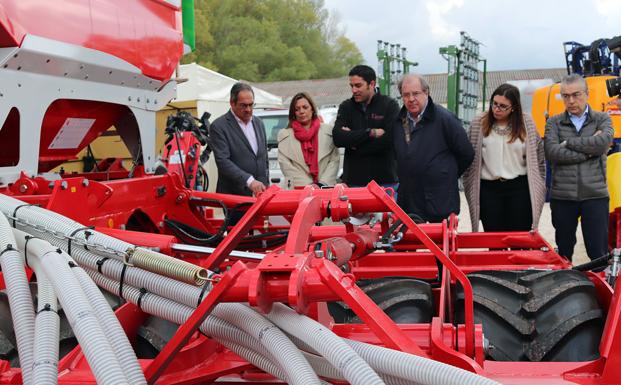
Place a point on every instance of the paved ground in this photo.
(545, 228)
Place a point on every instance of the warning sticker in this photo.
(71, 133)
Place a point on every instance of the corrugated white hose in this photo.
(47, 330)
(254, 352)
(419, 369)
(40, 216)
(181, 292)
(328, 344)
(397, 367)
(95, 346)
(178, 313)
(141, 257)
(114, 331)
(325, 369)
(258, 359)
(20, 299)
(243, 344)
(260, 328)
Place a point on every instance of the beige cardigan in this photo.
(292, 163)
(535, 171)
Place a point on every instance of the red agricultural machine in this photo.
(312, 286)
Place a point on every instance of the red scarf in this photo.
(310, 147)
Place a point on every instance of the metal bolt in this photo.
(85, 182)
(160, 224)
(179, 198)
(23, 188)
(319, 254)
(343, 198)
(545, 249)
(64, 185)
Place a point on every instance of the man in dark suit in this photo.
(237, 139)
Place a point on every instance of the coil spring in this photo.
(168, 266)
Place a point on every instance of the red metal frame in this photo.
(308, 270)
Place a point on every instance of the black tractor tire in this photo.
(404, 300)
(535, 315)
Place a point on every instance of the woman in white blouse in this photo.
(505, 185)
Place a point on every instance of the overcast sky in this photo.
(524, 34)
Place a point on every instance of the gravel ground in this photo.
(545, 228)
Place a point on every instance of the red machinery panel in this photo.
(145, 33)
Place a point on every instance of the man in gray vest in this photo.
(237, 139)
(576, 143)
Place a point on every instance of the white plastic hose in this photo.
(145, 258)
(20, 300)
(47, 329)
(45, 366)
(397, 367)
(114, 331)
(419, 369)
(328, 344)
(166, 287)
(92, 339)
(178, 314)
(274, 340)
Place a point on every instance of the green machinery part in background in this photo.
(392, 66)
(189, 36)
(464, 88)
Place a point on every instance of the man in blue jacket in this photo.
(432, 151)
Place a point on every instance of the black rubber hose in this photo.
(594, 264)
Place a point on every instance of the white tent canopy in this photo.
(211, 91)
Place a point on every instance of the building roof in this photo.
(334, 91)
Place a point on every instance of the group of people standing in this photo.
(422, 149)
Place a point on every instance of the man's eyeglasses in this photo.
(244, 106)
(415, 94)
(575, 95)
(501, 107)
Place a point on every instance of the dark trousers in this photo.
(594, 213)
(505, 205)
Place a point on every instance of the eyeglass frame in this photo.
(501, 107)
(574, 95)
(244, 106)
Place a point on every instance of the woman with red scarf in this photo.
(306, 152)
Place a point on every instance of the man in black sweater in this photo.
(363, 127)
